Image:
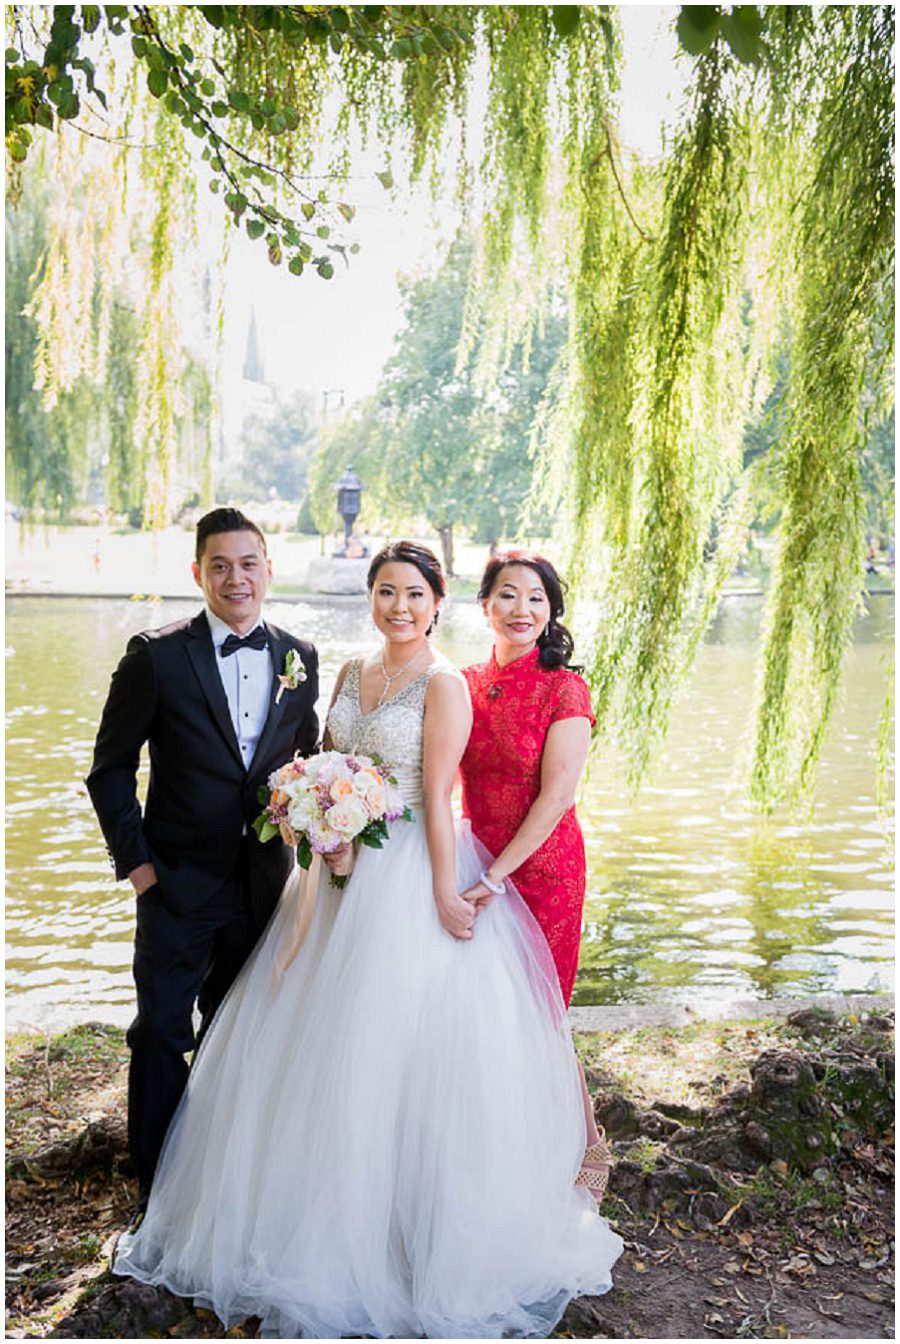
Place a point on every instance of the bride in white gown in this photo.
(384, 1139)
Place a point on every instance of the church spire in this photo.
(253, 365)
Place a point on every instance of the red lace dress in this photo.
(513, 709)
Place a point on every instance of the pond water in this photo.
(690, 894)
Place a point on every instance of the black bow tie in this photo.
(257, 639)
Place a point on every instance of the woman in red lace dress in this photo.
(530, 736)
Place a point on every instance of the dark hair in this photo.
(224, 520)
(410, 553)
(556, 644)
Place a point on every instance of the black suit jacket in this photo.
(167, 692)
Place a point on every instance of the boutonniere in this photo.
(294, 672)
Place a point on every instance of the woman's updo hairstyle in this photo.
(556, 644)
(410, 553)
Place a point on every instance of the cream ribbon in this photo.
(304, 908)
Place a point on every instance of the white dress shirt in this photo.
(247, 680)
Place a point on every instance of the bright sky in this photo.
(321, 336)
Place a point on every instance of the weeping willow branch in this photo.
(844, 262)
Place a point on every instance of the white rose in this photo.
(364, 780)
(349, 817)
(302, 811)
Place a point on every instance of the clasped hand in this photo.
(459, 910)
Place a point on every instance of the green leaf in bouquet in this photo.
(304, 851)
(407, 814)
(372, 835)
(264, 829)
(263, 795)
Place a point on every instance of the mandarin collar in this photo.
(525, 663)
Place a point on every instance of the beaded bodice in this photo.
(393, 731)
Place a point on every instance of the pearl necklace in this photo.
(391, 677)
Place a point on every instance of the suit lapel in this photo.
(203, 657)
(278, 647)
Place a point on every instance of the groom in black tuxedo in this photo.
(206, 695)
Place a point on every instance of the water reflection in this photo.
(690, 893)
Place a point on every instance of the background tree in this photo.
(277, 446)
(435, 442)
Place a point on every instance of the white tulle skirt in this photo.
(386, 1143)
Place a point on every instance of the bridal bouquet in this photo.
(325, 801)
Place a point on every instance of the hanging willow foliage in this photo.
(843, 254)
(766, 227)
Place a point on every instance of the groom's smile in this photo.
(234, 573)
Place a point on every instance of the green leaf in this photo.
(260, 825)
(339, 20)
(565, 19)
(308, 209)
(139, 46)
(277, 124)
(401, 48)
(348, 211)
(69, 105)
(386, 179)
(12, 56)
(698, 27)
(325, 268)
(304, 851)
(292, 117)
(295, 265)
(323, 231)
(264, 795)
(275, 253)
(239, 100)
(236, 201)
(354, 248)
(742, 30)
(255, 228)
(17, 151)
(207, 87)
(157, 82)
(186, 52)
(219, 109)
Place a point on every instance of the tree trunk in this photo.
(445, 532)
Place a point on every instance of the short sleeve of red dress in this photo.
(574, 699)
(513, 709)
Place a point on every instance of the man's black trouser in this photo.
(180, 958)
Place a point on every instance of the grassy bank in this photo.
(723, 1239)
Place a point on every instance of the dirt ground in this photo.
(733, 1249)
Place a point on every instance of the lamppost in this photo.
(349, 489)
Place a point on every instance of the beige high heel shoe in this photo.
(596, 1166)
